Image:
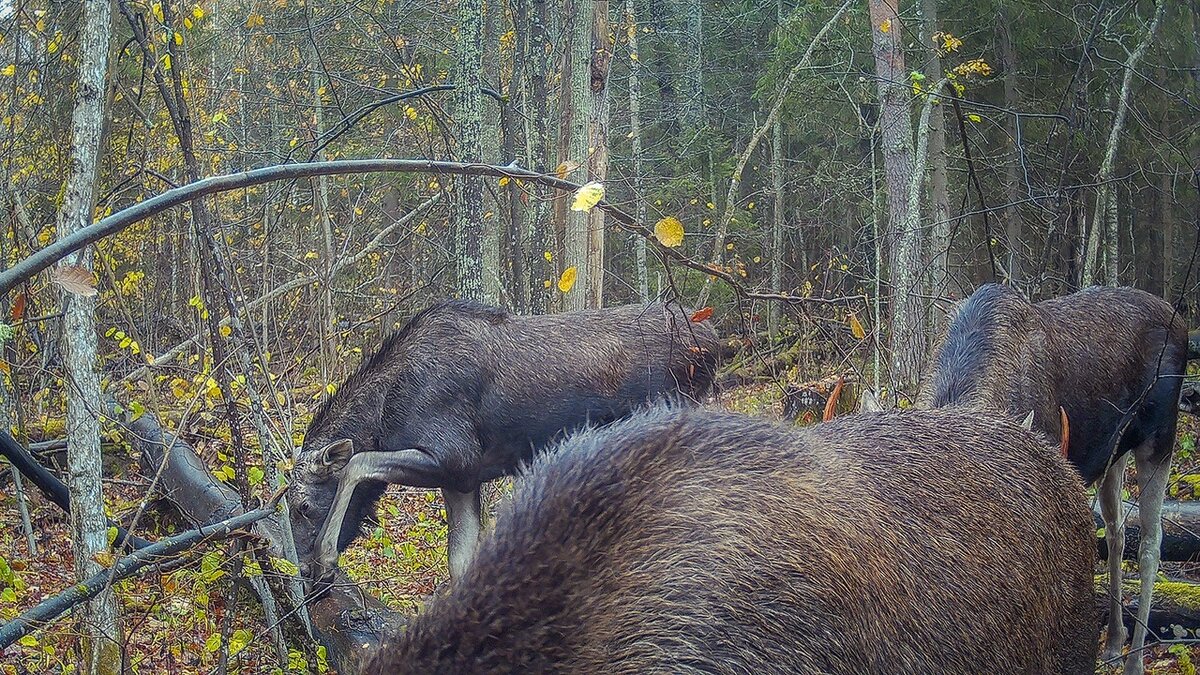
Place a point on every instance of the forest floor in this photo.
(173, 620)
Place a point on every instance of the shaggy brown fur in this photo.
(1113, 360)
(705, 542)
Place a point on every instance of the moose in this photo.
(1101, 371)
(464, 392)
(701, 541)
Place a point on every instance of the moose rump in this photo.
(702, 541)
(465, 392)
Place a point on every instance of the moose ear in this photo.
(1028, 421)
(336, 454)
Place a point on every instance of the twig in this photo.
(126, 567)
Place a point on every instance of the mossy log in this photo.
(1175, 613)
(347, 620)
(1181, 531)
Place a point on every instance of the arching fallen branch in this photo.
(126, 567)
(47, 256)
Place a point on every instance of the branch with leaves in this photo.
(236, 181)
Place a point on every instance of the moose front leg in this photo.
(464, 520)
(404, 467)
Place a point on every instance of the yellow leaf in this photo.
(166, 62)
(9, 70)
(546, 283)
(187, 22)
(198, 12)
(156, 10)
(503, 181)
(225, 331)
(179, 38)
(975, 118)
(548, 256)
(255, 19)
(564, 169)
(886, 26)
(567, 281)
(588, 196)
(856, 328)
(669, 232)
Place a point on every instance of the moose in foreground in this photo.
(1108, 360)
(465, 392)
(698, 541)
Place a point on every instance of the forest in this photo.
(213, 213)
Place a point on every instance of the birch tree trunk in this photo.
(635, 141)
(576, 237)
(939, 192)
(320, 187)
(904, 238)
(598, 122)
(101, 647)
(468, 112)
(1105, 214)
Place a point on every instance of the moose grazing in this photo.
(1108, 360)
(465, 392)
(696, 541)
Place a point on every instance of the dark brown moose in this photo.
(464, 392)
(696, 541)
(1112, 360)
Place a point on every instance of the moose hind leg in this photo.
(464, 521)
(1114, 536)
(1153, 472)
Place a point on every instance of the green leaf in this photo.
(8, 595)
(112, 535)
(285, 567)
(213, 643)
(255, 475)
(29, 641)
(238, 641)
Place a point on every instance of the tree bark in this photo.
(576, 236)
(1105, 213)
(777, 193)
(904, 237)
(939, 191)
(1014, 227)
(598, 122)
(635, 140)
(100, 621)
(692, 115)
(541, 230)
(468, 112)
(489, 220)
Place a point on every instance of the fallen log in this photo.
(1181, 531)
(346, 620)
(1174, 614)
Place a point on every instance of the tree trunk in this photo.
(1105, 213)
(468, 112)
(600, 64)
(635, 140)
(777, 210)
(514, 110)
(99, 620)
(541, 230)
(320, 186)
(904, 238)
(489, 220)
(576, 236)
(939, 232)
(692, 115)
(1014, 227)
(1166, 196)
